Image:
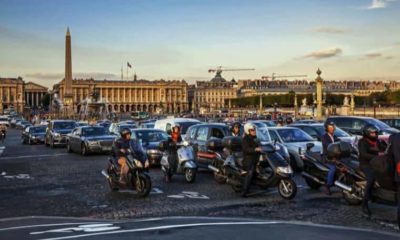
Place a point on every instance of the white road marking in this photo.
(35, 156)
(187, 194)
(45, 225)
(19, 176)
(156, 191)
(82, 228)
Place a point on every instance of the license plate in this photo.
(106, 148)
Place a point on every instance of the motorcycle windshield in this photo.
(185, 154)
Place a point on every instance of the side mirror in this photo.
(309, 146)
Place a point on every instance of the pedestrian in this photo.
(394, 140)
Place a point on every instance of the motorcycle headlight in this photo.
(138, 163)
(284, 170)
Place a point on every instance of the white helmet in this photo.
(248, 126)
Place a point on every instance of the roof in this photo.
(278, 128)
(359, 117)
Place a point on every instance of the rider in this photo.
(3, 129)
(176, 133)
(368, 147)
(235, 129)
(251, 151)
(289, 120)
(121, 147)
(280, 122)
(328, 138)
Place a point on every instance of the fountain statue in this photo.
(93, 107)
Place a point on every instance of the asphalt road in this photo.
(39, 181)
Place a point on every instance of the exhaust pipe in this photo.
(214, 169)
(304, 174)
(105, 174)
(343, 186)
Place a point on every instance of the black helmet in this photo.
(289, 120)
(368, 129)
(236, 124)
(280, 120)
(330, 123)
(125, 132)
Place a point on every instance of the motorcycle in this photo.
(138, 177)
(349, 178)
(272, 170)
(182, 162)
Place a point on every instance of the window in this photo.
(342, 122)
(358, 124)
(310, 131)
(192, 133)
(274, 136)
(168, 127)
(215, 132)
(202, 134)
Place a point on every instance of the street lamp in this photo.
(374, 103)
(275, 110)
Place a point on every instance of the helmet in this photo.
(235, 124)
(125, 132)
(330, 123)
(289, 120)
(368, 129)
(248, 127)
(280, 120)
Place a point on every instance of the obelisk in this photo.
(319, 84)
(68, 95)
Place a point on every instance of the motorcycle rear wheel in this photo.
(143, 185)
(312, 184)
(287, 188)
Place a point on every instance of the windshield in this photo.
(263, 134)
(151, 136)
(37, 129)
(270, 123)
(186, 125)
(338, 132)
(129, 126)
(93, 131)
(379, 124)
(294, 135)
(64, 125)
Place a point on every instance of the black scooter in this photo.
(272, 170)
(138, 177)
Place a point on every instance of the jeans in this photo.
(331, 174)
(369, 174)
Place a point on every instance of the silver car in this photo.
(295, 140)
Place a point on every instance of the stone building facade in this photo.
(128, 96)
(33, 94)
(12, 94)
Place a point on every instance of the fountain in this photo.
(93, 107)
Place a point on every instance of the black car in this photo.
(90, 139)
(57, 130)
(354, 125)
(150, 140)
(317, 130)
(33, 134)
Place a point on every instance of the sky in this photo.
(182, 39)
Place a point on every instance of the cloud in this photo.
(373, 55)
(324, 53)
(378, 4)
(331, 30)
(389, 57)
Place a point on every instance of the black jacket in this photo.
(394, 151)
(326, 140)
(135, 146)
(367, 151)
(250, 155)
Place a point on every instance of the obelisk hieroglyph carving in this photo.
(68, 95)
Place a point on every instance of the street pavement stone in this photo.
(63, 184)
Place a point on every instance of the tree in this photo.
(46, 100)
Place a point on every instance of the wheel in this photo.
(287, 188)
(112, 185)
(142, 184)
(190, 174)
(356, 197)
(312, 184)
(84, 150)
(69, 148)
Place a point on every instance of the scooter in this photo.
(138, 177)
(272, 170)
(178, 158)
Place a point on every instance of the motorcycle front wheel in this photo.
(190, 174)
(287, 188)
(142, 184)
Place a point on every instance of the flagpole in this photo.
(122, 72)
(127, 75)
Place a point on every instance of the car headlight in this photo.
(57, 134)
(153, 151)
(93, 143)
(285, 170)
(33, 137)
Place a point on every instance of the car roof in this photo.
(358, 117)
(58, 120)
(307, 124)
(278, 128)
(147, 130)
(212, 125)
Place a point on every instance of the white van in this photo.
(185, 123)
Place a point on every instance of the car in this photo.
(306, 121)
(185, 123)
(295, 140)
(104, 123)
(82, 123)
(89, 139)
(56, 132)
(147, 125)
(355, 124)
(263, 123)
(116, 128)
(33, 134)
(150, 140)
(392, 122)
(22, 124)
(14, 121)
(4, 121)
(317, 130)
